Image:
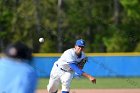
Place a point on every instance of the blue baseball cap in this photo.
(80, 42)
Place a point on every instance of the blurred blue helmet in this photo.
(80, 42)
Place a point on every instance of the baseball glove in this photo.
(82, 62)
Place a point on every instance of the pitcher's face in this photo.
(79, 49)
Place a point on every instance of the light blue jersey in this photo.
(16, 77)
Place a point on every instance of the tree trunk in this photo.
(59, 36)
(116, 12)
(36, 45)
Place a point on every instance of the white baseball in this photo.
(41, 39)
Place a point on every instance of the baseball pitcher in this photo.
(71, 61)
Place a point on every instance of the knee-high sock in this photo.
(65, 91)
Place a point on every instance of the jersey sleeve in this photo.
(75, 68)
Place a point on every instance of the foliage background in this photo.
(106, 25)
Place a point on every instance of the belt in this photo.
(62, 68)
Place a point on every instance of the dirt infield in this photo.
(97, 91)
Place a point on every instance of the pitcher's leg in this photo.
(53, 85)
(54, 81)
(66, 81)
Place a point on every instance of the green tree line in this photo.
(105, 25)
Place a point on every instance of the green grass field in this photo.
(101, 83)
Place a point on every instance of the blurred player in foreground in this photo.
(70, 62)
(16, 75)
